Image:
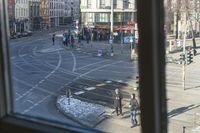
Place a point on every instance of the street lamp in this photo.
(111, 27)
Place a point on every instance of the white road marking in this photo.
(74, 59)
(17, 94)
(108, 81)
(99, 68)
(22, 55)
(79, 92)
(34, 105)
(90, 88)
(91, 65)
(34, 87)
(48, 50)
(34, 51)
(30, 101)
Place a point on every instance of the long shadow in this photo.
(192, 87)
(181, 110)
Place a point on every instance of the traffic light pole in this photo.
(184, 52)
(111, 26)
(183, 78)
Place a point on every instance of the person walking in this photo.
(118, 101)
(53, 38)
(72, 41)
(133, 110)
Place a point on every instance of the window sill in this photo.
(10, 124)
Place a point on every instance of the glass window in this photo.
(102, 3)
(114, 4)
(85, 75)
(182, 33)
(89, 3)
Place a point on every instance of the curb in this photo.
(82, 123)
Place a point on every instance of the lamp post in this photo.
(111, 27)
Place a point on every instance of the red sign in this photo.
(131, 22)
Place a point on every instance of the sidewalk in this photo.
(121, 52)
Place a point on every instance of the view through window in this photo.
(75, 62)
(182, 27)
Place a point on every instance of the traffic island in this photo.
(85, 113)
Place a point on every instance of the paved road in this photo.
(42, 71)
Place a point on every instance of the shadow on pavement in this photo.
(192, 87)
(181, 110)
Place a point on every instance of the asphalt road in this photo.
(42, 71)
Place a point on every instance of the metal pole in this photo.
(122, 20)
(111, 17)
(184, 52)
(111, 26)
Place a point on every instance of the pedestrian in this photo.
(68, 95)
(118, 101)
(64, 39)
(53, 38)
(133, 110)
(79, 37)
(72, 41)
(88, 37)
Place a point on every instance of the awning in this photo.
(125, 28)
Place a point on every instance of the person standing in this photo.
(133, 109)
(118, 101)
(53, 38)
(72, 41)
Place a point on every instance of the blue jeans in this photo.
(133, 118)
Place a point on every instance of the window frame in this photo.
(151, 79)
(152, 76)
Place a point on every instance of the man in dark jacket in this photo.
(53, 38)
(118, 101)
(133, 108)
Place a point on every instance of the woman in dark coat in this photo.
(118, 101)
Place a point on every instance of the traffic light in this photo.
(137, 83)
(189, 57)
(182, 58)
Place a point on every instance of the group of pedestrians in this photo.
(68, 40)
(133, 106)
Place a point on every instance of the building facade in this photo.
(34, 14)
(44, 14)
(75, 10)
(22, 15)
(11, 15)
(96, 13)
(56, 12)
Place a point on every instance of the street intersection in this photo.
(41, 72)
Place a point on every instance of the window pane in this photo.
(182, 62)
(69, 68)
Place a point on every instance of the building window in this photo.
(126, 4)
(89, 3)
(114, 4)
(102, 3)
